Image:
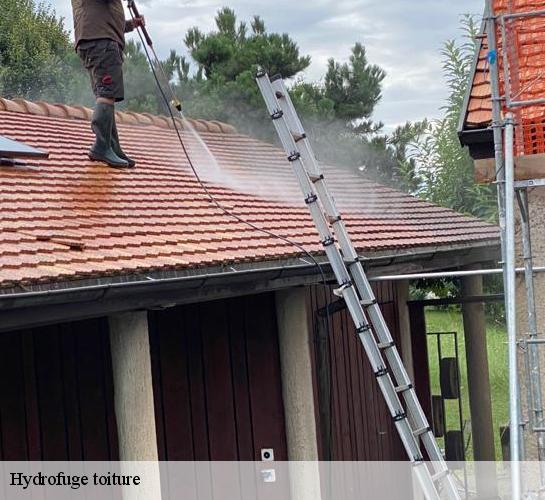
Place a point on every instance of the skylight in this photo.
(12, 152)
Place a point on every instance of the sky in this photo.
(404, 37)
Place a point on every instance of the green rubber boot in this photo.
(116, 146)
(102, 125)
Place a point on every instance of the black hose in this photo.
(225, 210)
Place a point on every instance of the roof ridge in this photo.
(57, 110)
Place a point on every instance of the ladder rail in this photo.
(357, 292)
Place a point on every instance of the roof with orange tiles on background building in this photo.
(526, 67)
(68, 218)
(479, 108)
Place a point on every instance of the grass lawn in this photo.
(451, 320)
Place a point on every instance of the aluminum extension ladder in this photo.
(392, 377)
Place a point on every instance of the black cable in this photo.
(218, 205)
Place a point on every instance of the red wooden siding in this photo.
(56, 393)
(353, 418)
(216, 378)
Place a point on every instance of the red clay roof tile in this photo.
(71, 218)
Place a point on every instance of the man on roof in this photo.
(100, 28)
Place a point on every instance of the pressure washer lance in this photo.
(175, 102)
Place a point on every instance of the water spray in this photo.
(163, 82)
(171, 101)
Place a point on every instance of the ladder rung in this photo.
(314, 178)
(423, 430)
(351, 262)
(440, 475)
(334, 220)
(339, 291)
(404, 388)
(363, 329)
(298, 137)
(386, 345)
(369, 302)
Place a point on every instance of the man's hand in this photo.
(139, 22)
(132, 24)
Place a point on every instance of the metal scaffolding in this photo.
(508, 110)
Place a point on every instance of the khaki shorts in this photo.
(103, 59)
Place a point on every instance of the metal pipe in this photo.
(510, 308)
(508, 250)
(515, 15)
(449, 274)
(530, 183)
(529, 102)
(505, 57)
(134, 13)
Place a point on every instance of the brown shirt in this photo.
(96, 19)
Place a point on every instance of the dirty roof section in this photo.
(68, 218)
(526, 43)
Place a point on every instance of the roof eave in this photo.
(480, 142)
(69, 301)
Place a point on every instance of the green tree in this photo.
(227, 59)
(446, 170)
(338, 118)
(232, 50)
(34, 51)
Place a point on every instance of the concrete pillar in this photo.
(134, 408)
(298, 394)
(480, 403)
(477, 371)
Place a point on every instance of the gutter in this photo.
(63, 302)
(480, 142)
(229, 272)
(470, 137)
(99, 291)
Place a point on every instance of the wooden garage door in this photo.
(353, 418)
(216, 378)
(56, 393)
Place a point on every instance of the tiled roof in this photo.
(479, 108)
(69, 218)
(526, 55)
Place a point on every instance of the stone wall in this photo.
(537, 220)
